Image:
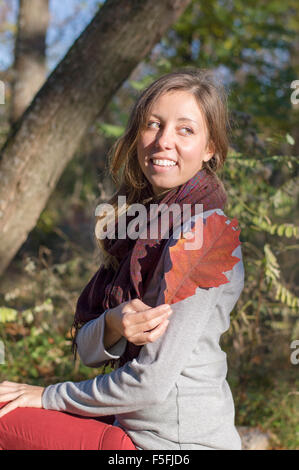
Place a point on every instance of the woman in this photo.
(169, 390)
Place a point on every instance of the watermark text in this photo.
(2, 92)
(2, 353)
(148, 224)
(295, 94)
(294, 358)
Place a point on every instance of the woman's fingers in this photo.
(146, 312)
(139, 323)
(146, 317)
(9, 389)
(150, 336)
(154, 334)
(20, 401)
(134, 319)
(7, 396)
(154, 322)
(8, 384)
(9, 407)
(19, 395)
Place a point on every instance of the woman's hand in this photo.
(19, 395)
(137, 322)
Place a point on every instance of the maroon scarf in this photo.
(138, 258)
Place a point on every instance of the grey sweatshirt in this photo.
(174, 395)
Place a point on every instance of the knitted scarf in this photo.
(138, 258)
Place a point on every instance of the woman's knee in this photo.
(3, 429)
(16, 429)
(114, 438)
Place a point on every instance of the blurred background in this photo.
(253, 47)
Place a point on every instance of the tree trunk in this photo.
(46, 137)
(30, 60)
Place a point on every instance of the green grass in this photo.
(265, 386)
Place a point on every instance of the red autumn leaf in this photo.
(202, 267)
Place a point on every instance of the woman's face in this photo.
(175, 132)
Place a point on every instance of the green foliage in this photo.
(267, 401)
(142, 83)
(37, 340)
(258, 206)
(38, 355)
(109, 130)
(7, 314)
(251, 42)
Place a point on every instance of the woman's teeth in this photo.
(164, 162)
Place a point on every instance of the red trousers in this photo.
(39, 429)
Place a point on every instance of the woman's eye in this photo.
(156, 125)
(187, 129)
(150, 124)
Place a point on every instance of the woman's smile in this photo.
(162, 165)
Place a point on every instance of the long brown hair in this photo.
(123, 163)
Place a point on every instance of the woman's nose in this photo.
(165, 138)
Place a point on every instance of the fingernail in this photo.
(166, 307)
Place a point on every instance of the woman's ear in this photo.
(210, 151)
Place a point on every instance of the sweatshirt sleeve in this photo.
(90, 343)
(148, 379)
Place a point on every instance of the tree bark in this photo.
(30, 59)
(45, 138)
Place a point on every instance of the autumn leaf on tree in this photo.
(203, 267)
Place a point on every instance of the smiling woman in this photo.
(154, 310)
